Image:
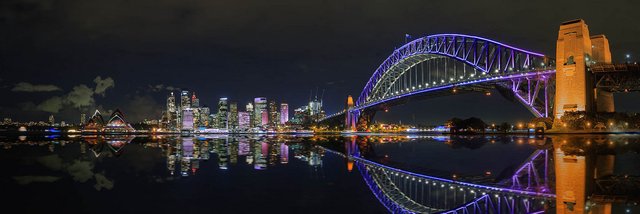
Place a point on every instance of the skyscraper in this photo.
(187, 119)
(195, 102)
(244, 120)
(233, 115)
(264, 115)
(51, 120)
(171, 103)
(284, 113)
(223, 111)
(204, 116)
(83, 118)
(171, 114)
(273, 114)
(184, 100)
(249, 109)
(259, 106)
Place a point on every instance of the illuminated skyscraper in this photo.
(223, 111)
(171, 103)
(244, 120)
(273, 114)
(233, 115)
(184, 100)
(195, 102)
(284, 113)
(187, 119)
(264, 115)
(204, 116)
(249, 109)
(83, 118)
(172, 114)
(51, 120)
(259, 106)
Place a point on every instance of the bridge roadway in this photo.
(401, 191)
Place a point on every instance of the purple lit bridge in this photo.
(446, 64)
(400, 191)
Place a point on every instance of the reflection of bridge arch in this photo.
(406, 192)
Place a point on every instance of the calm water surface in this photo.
(248, 174)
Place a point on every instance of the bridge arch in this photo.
(402, 74)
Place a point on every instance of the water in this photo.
(286, 174)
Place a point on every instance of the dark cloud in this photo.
(103, 84)
(161, 88)
(80, 96)
(51, 105)
(28, 87)
(23, 180)
(142, 107)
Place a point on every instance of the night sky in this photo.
(62, 57)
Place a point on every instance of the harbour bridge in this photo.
(580, 78)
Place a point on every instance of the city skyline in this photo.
(132, 68)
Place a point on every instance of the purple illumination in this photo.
(447, 45)
(484, 201)
(489, 79)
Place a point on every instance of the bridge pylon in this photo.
(351, 118)
(576, 50)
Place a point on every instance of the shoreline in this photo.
(632, 132)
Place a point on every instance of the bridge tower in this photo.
(572, 53)
(350, 120)
(602, 54)
(575, 52)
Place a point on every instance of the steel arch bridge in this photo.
(456, 63)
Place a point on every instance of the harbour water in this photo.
(298, 174)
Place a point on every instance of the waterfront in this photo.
(280, 173)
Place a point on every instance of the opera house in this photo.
(115, 124)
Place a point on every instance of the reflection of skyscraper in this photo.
(284, 113)
(260, 151)
(243, 147)
(223, 153)
(315, 159)
(284, 153)
(233, 151)
(260, 106)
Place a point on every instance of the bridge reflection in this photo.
(566, 174)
